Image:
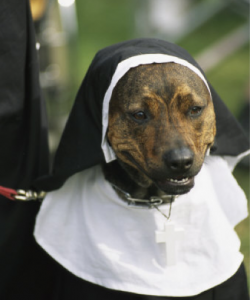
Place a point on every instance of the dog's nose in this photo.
(179, 159)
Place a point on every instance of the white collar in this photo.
(96, 236)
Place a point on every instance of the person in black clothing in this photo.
(24, 154)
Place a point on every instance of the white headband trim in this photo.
(122, 68)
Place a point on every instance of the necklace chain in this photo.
(169, 212)
(153, 202)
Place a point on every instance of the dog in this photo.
(161, 125)
(138, 136)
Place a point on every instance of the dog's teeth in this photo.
(178, 181)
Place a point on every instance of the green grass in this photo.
(211, 31)
(231, 79)
(102, 23)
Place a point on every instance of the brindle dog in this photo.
(161, 124)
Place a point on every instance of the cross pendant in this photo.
(170, 236)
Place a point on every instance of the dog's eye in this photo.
(195, 110)
(140, 116)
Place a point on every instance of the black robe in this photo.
(23, 150)
(26, 271)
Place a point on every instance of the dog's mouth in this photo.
(176, 186)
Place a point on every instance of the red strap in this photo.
(8, 193)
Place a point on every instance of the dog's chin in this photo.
(167, 185)
(174, 186)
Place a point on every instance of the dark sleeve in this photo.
(23, 125)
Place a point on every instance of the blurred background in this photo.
(214, 32)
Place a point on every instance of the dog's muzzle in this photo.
(178, 162)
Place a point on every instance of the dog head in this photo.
(161, 124)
